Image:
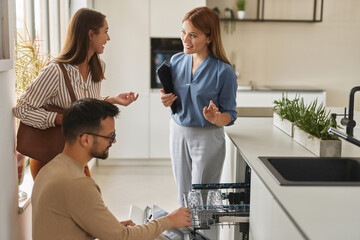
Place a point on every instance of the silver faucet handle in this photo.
(348, 138)
(336, 132)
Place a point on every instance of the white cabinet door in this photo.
(166, 16)
(268, 221)
(228, 174)
(127, 54)
(266, 98)
(132, 131)
(159, 127)
(127, 58)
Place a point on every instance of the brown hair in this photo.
(77, 40)
(207, 21)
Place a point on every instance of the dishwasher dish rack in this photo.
(231, 207)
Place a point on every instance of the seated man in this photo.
(68, 205)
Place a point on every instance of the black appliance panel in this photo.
(162, 49)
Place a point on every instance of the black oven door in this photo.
(162, 49)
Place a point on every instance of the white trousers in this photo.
(197, 155)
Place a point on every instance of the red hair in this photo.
(207, 21)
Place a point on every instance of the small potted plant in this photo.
(229, 14)
(311, 131)
(241, 8)
(285, 113)
(309, 125)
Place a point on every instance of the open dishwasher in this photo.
(226, 207)
(218, 206)
(226, 217)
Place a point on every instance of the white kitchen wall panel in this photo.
(266, 98)
(127, 54)
(132, 131)
(127, 58)
(159, 127)
(166, 16)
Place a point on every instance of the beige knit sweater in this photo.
(68, 205)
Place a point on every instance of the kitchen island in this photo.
(292, 212)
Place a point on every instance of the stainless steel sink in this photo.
(314, 171)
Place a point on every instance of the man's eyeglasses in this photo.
(112, 138)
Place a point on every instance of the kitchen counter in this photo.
(264, 96)
(282, 88)
(318, 212)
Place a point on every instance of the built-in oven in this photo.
(162, 49)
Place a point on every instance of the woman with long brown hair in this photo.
(205, 93)
(86, 37)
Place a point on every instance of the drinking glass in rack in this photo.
(194, 202)
(214, 199)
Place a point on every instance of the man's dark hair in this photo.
(85, 115)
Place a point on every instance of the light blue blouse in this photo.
(213, 80)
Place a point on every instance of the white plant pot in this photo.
(241, 14)
(321, 148)
(283, 124)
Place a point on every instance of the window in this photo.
(4, 30)
(6, 49)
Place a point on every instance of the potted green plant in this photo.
(311, 131)
(230, 17)
(28, 63)
(241, 8)
(285, 113)
(309, 125)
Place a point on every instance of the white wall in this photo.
(323, 55)
(9, 218)
(127, 57)
(8, 174)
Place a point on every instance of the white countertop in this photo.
(321, 212)
(281, 88)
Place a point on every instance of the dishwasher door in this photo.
(225, 222)
(220, 211)
(142, 216)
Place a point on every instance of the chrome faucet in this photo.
(348, 138)
(350, 122)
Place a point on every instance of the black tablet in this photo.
(164, 74)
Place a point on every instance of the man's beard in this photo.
(100, 155)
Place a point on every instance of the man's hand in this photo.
(180, 218)
(124, 98)
(167, 99)
(128, 223)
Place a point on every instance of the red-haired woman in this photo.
(205, 93)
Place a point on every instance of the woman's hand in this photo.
(212, 113)
(167, 99)
(128, 223)
(123, 98)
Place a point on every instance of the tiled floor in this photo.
(143, 186)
